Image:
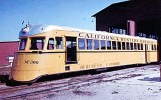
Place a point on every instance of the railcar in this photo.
(48, 50)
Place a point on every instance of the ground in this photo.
(139, 83)
(143, 84)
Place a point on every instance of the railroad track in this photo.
(43, 88)
(19, 91)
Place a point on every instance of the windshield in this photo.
(37, 43)
(22, 45)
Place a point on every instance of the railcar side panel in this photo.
(62, 53)
(110, 59)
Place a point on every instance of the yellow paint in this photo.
(28, 66)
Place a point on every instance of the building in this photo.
(132, 17)
(7, 50)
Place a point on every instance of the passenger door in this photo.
(71, 50)
(147, 54)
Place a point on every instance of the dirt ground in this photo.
(143, 84)
(140, 83)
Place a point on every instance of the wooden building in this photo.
(7, 50)
(132, 17)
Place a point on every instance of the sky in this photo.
(70, 13)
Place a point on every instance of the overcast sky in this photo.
(70, 13)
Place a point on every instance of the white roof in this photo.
(37, 29)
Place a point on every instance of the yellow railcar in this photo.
(48, 50)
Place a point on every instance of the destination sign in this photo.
(113, 38)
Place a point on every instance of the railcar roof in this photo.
(37, 29)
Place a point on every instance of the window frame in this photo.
(131, 46)
(36, 45)
(123, 45)
(109, 47)
(53, 45)
(114, 45)
(103, 45)
(141, 47)
(119, 45)
(135, 46)
(58, 46)
(22, 44)
(91, 47)
(128, 46)
(84, 46)
(95, 41)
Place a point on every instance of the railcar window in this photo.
(37, 43)
(50, 44)
(81, 43)
(119, 45)
(155, 47)
(147, 47)
(138, 46)
(127, 46)
(152, 47)
(141, 46)
(96, 44)
(135, 46)
(132, 46)
(123, 45)
(89, 44)
(109, 45)
(22, 44)
(114, 45)
(103, 45)
(59, 43)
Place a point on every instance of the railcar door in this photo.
(71, 50)
(147, 54)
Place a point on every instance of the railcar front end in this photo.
(35, 57)
(26, 67)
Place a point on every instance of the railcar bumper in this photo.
(24, 75)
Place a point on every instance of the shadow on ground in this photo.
(4, 78)
(153, 79)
